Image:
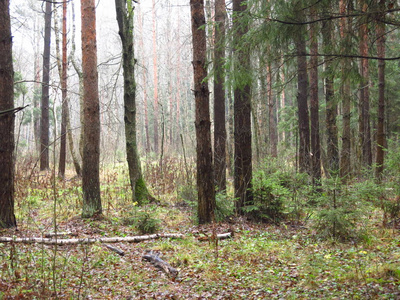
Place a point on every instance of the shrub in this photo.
(267, 203)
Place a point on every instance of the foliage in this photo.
(224, 207)
(339, 211)
(143, 221)
(267, 199)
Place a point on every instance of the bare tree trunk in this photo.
(219, 97)
(314, 106)
(62, 70)
(345, 163)
(155, 74)
(365, 128)
(380, 135)
(44, 121)
(331, 106)
(205, 173)
(91, 127)
(7, 217)
(125, 14)
(272, 130)
(302, 96)
(242, 114)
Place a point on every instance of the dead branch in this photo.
(160, 264)
(51, 241)
(116, 250)
(220, 236)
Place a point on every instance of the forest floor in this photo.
(260, 261)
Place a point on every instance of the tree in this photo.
(155, 74)
(7, 217)
(314, 105)
(62, 66)
(365, 128)
(205, 174)
(44, 120)
(125, 14)
(345, 34)
(91, 127)
(380, 135)
(302, 105)
(242, 110)
(331, 106)
(219, 97)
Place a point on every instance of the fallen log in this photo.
(160, 264)
(220, 236)
(128, 239)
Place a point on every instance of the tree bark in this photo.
(314, 106)
(44, 120)
(125, 14)
(272, 130)
(155, 74)
(380, 135)
(62, 68)
(219, 97)
(7, 217)
(302, 105)
(91, 109)
(242, 113)
(364, 123)
(345, 163)
(331, 106)
(205, 173)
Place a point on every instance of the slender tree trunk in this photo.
(91, 109)
(314, 106)
(144, 84)
(380, 135)
(44, 120)
(7, 217)
(205, 178)
(80, 76)
(345, 163)
(331, 106)
(155, 74)
(365, 128)
(178, 83)
(302, 105)
(242, 114)
(62, 70)
(219, 97)
(125, 14)
(272, 130)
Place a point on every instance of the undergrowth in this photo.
(293, 243)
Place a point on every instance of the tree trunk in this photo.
(345, 163)
(155, 74)
(242, 113)
(272, 130)
(314, 106)
(365, 128)
(302, 106)
(44, 121)
(205, 178)
(91, 109)
(331, 106)
(7, 217)
(62, 70)
(380, 135)
(125, 14)
(219, 97)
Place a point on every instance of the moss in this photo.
(142, 195)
